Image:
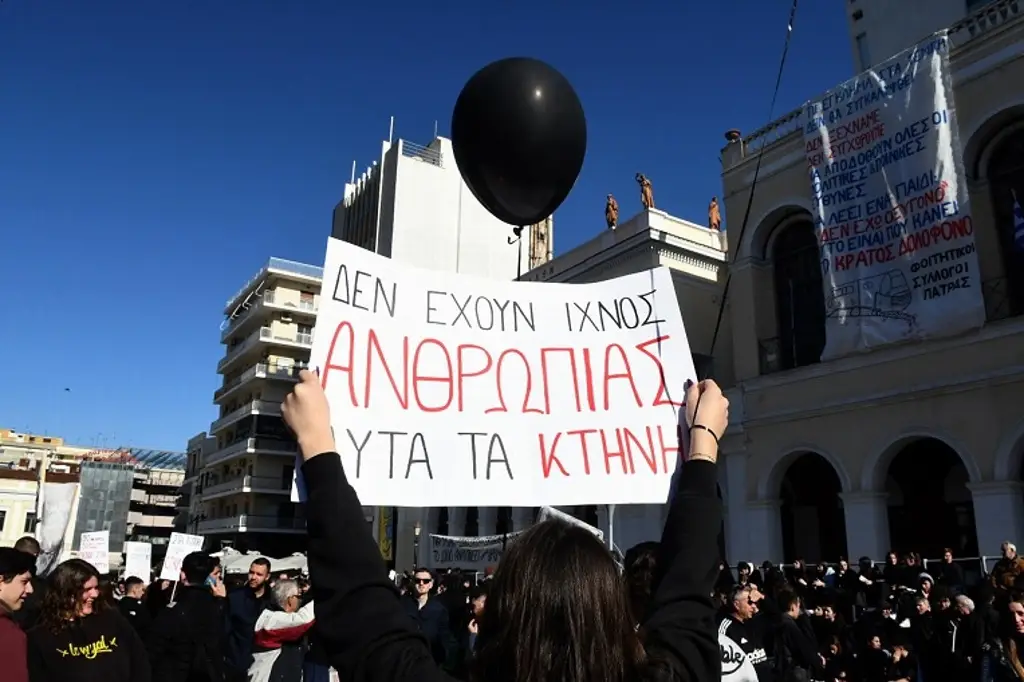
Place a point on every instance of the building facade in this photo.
(913, 447)
(413, 206)
(882, 28)
(242, 472)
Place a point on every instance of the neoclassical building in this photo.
(917, 446)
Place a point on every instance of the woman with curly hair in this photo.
(79, 637)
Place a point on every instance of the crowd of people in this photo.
(558, 608)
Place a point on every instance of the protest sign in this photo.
(467, 553)
(448, 390)
(95, 548)
(180, 546)
(138, 560)
(891, 208)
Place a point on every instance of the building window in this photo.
(3, 519)
(863, 55)
(862, 52)
(1005, 296)
(30, 522)
(306, 296)
(858, 15)
(799, 295)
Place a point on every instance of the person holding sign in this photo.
(555, 608)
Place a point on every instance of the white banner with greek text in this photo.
(95, 548)
(892, 214)
(179, 547)
(138, 560)
(467, 553)
(448, 390)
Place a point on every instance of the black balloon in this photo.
(519, 136)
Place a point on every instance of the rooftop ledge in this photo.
(962, 33)
(649, 224)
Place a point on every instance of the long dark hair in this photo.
(638, 576)
(556, 612)
(64, 594)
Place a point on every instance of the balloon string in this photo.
(519, 260)
(757, 171)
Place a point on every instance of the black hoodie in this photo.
(102, 647)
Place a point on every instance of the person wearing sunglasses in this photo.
(430, 615)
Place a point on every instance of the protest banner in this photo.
(95, 548)
(138, 560)
(891, 209)
(467, 553)
(180, 546)
(448, 390)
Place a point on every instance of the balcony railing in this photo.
(251, 445)
(430, 155)
(236, 352)
(251, 522)
(291, 267)
(979, 23)
(255, 407)
(1000, 302)
(769, 355)
(262, 370)
(248, 484)
(268, 298)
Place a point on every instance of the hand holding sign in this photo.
(306, 412)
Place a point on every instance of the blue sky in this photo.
(154, 154)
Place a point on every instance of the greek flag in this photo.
(1018, 224)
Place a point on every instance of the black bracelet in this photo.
(704, 428)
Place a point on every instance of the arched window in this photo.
(799, 297)
(1005, 297)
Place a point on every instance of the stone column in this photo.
(522, 518)
(765, 533)
(867, 525)
(487, 521)
(734, 490)
(998, 514)
(456, 521)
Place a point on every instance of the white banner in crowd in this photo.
(58, 499)
(95, 548)
(449, 390)
(893, 220)
(180, 546)
(138, 560)
(467, 553)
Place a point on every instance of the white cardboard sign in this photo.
(454, 390)
(138, 560)
(180, 546)
(95, 548)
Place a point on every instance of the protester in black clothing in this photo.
(903, 666)
(796, 649)
(431, 616)
(736, 623)
(555, 610)
(948, 573)
(79, 638)
(28, 614)
(186, 641)
(133, 608)
(243, 609)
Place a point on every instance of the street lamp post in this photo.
(416, 546)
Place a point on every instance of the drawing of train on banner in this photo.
(885, 295)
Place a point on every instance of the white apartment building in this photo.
(413, 206)
(242, 472)
(882, 28)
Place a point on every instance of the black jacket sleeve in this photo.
(359, 617)
(680, 623)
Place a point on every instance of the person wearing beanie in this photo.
(15, 585)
